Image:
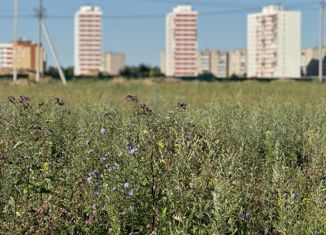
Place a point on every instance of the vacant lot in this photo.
(150, 158)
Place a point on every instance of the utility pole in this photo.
(39, 59)
(40, 14)
(15, 30)
(54, 53)
(321, 42)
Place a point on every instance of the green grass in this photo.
(241, 158)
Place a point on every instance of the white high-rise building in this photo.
(181, 42)
(88, 41)
(274, 43)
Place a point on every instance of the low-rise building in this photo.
(214, 62)
(26, 56)
(114, 63)
(6, 56)
(238, 63)
(162, 62)
(310, 62)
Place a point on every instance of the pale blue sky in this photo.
(221, 24)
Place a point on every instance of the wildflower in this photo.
(11, 99)
(57, 101)
(24, 100)
(104, 158)
(102, 131)
(96, 193)
(154, 187)
(114, 189)
(90, 151)
(116, 166)
(144, 109)
(182, 105)
(126, 185)
(133, 150)
(87, 142)
(245, 216)
(89, 178)
(94, 206)
(132, 98)
(188, 138)
(130, 193)
(129, 146)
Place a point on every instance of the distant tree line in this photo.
(129, 72)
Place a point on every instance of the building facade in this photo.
(310, 62)
(88, 41)
(274, 43)
(181, 42)
(214, 62)
(6, 56)
(113, 63)
(238, 63)
(26, 57)
(219, 64)
(204, 62)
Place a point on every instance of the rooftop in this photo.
(273, 8)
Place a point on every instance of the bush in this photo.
(94, 170)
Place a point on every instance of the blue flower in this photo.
(188, 138)
(130, 193)
(133, 150)
(126, 185)
(129, 146)
(102, 131)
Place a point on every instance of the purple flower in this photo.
(130, 193)
(133, 150)
(126, 185)
(103, 158)
(102, 131)
(24, 100)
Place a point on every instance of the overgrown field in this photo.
(138, 158)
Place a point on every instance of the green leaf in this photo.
(46, 166)
(18, 144)
(164, 213)
(160, 144)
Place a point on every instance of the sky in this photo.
(137, 27)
